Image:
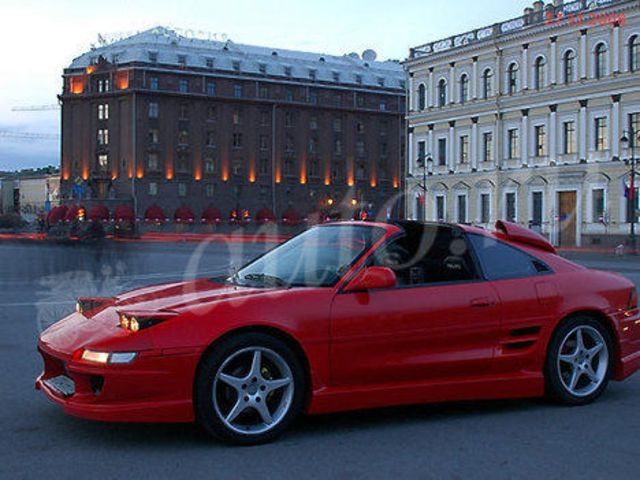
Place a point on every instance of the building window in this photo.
(154, 110)
(263, 91)
(442, 151)
(538, 73)
(312, 146)
(211, 112)
(541, 140)
(182, 163)
(208, 190)
(154, 136)
(632, 203)
(510, 206)
(184, 111)
(600, 60)
(152, 162)
(104, 85)
(237, 140)
(265, 118)
(335, 76)
(263, 142)
(211, 138)
(263, 166)
(313, 122)
(359, 127)
(313, 74)
(512, 144)
(288, 119)
(103, 111)
(487, 83)
(485, 208)
(182, 60)
(237, 90)
(209, 62)
(442, 93)
(569, 66)
(153, 189)
(209, 166)
(183, 136)
(464, 149)
(462, 208)
(288, 167)
(634, 53)
(422, 151)
(103, 136)
(487, 146)
(634, 128)
(382, 106)
(287, 71)
(359, 100)
(289, 146)
(337, 146)
(337, 125)
(289, 95)
(464, 88)
(597, 205)
(262, 68)
(182, 189)
(537, 209)
(440, 209)
(314, 169)
(211, 88)
(103, 162)
(360, 148)
(601, 134)
(153, 83)
(183, 86)
(359, 79)
(236, 66)
(153, 57)
(512, 78)
(422, 97)
(313, 98)
(569, 137)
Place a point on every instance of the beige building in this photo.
(523, 120)
(38, 193)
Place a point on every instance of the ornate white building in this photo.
(523, 120)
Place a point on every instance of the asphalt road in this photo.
(506, 439)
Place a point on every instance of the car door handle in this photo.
(482, 302)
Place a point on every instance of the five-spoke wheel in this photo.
(249, 388)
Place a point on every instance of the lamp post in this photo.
(629, 140)
(424, 162)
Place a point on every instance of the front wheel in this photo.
(249, 389)
(578, 365)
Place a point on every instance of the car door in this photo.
(438, 323)
(528, 302)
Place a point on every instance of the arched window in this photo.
(569, 61)
(538, 73)
(512, 78)
(634, 53)
(464, 88)
(487, 83)
(422, 97)
(442, 92)
(600, 60)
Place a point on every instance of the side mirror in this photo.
(372, 278)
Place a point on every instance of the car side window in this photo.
(428, 255)
(500, 261)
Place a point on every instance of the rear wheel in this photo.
(578, 365)
(249, 389)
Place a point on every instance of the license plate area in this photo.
(62, 385)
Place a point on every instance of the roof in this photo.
(164, 47)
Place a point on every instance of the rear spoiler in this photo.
(519, 234)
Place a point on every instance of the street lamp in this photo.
(424, 162)
(629, 140)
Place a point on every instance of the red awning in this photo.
(72, 213)
(211, 215)
(291, 217)
(99, 213)
(265, 216)
(56, 214)
(184, 215)
(124, 213)
(155, 214)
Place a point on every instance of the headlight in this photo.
(136, 322)
(106, 357)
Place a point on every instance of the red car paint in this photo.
(363, 349)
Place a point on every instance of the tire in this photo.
(236, 395)
(577, 374)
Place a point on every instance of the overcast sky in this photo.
(40, 38)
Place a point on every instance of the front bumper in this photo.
(156, 387)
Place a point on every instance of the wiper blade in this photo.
(265, 279)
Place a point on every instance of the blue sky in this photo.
(39, 38)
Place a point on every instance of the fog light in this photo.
(122, 357)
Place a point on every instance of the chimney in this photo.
(558, 3)
(538, 6)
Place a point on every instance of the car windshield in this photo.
(316, 258)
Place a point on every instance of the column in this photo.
(553, 67)
(553, 124)
(430, 93)
(615, 127)
(615, 48)
(524, 135)
(583, 53)
(412, 94)
(430, 149)
(524, 68)
(452, 145)
(497, 141)
(582, 131)
(410, 152)
(474, 79)
(452, 82)
(474, 152)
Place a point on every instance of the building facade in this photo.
(162, 119)
(523, 120)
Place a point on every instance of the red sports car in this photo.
(348, 316)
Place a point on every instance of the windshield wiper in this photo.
(266, 280)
